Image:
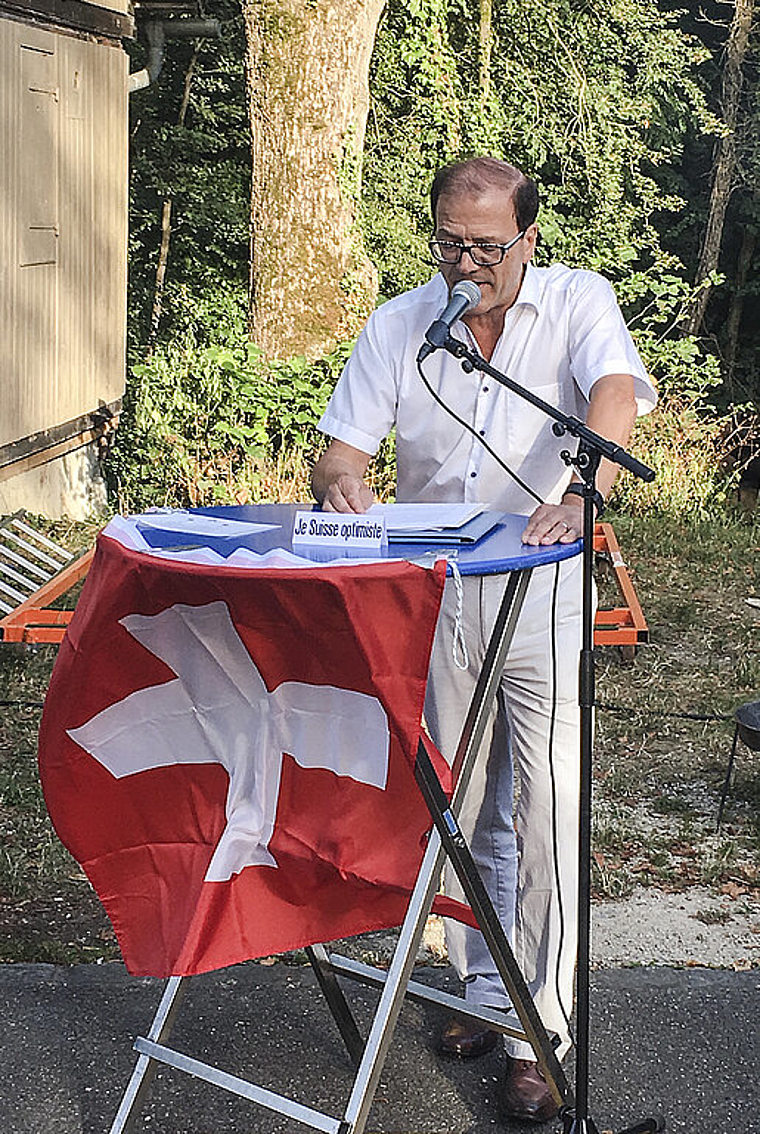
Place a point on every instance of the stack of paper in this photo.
(435, 523)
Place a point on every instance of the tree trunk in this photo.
(166, 210)
(308, 64)
(725, 160)
(733, 322)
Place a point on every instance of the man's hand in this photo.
(555, 523)
(347, 494)
(611, 413)
(337, 479)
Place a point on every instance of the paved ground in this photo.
(681, 1042)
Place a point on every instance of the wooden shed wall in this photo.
(63, 226)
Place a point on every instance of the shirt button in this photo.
(485, 389)
(473, 474)
(482, 433)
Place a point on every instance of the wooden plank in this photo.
(39, 626)
(34, 460)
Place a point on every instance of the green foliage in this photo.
(595, 100)
(203, 166)
(688, 445)
(678, 363)
(214, 423)
(590, 98)
(733, 334)
(201, 417)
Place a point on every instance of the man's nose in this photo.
(470, 265)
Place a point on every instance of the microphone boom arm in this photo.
(563, 423)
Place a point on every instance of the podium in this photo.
(500, 552)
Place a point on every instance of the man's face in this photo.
(487, 218)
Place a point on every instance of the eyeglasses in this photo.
(484, 255)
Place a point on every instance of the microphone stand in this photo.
(591, 448)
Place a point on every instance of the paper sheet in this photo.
(190, 523)
(426, 517)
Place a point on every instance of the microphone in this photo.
(464, 296)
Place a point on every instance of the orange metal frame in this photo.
(32, 621)
(623, 625)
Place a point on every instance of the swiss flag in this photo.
(229, 752)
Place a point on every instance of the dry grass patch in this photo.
(665, 724)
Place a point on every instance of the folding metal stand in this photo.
(747, 728)
(445, 840)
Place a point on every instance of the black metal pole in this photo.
(586, 464)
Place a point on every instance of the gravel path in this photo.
(652, 927)
(697, 927)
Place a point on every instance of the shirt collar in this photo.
(530, 289)
(528, 295)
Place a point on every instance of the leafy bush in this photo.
(212, 423)
(688, 446)
(596, 101)
(199, 160)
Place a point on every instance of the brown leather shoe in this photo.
(524, 1093)
(467, 1039)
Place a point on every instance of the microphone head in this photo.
(469, 291)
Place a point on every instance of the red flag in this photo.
(228, 752)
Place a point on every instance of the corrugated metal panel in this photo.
(93, 188)
(8, 251)
(63, 215)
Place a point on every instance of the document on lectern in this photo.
(435, 523)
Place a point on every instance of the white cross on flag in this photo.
(228, 752)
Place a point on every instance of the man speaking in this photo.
(559, 333)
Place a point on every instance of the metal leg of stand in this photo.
(394, 989)
(648, 1126)
(463, 863)
(145, 1068)
(588, 1126)
(580, 1126)
(336, 1001)
(577, 1120)
(487, 685)
(506, 1023)
(727, 781)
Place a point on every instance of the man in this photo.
(560, 334)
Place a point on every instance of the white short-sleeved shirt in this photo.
(564, 332)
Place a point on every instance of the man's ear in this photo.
(529, 243)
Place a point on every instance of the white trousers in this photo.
(529, 863)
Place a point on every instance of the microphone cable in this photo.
(460, 421)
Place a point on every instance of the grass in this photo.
(665, 723)
(659, 766)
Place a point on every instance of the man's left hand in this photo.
(555, 523)
(611, 412)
